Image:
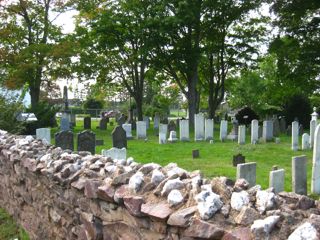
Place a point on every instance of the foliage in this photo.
(92, 103)
(9, 229)
(10, 106)
(298, 106)
(249, 113)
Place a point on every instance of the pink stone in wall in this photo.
(160, 211)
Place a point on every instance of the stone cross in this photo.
(198, 127)
(242, 134)
(315, 181)
(141, 130)
(64, 122)
(313, 124)
(299, 175)
(44, 134)
(223, 130)
(276, 180)
(254, 131)
(119, 137)
(267, 132)
(184, 130)
(115, 153)
(65, 98)
(295, 136)
(64, 139)
(248, 172)
(208, 129)
(127, 128)
(86, 141)
(305, 141)
(87, 122)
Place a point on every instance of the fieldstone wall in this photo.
(57, 194)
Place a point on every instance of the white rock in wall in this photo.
(265, 200)
(157, 176)
(210, 206)
(264, 225)
(2, 132)
(130, 160)
(29, 138)
(239, 199)
(170, 185)
(136, 181)
(202, 196)
(176, 170)
(304, 232)
(175, 197)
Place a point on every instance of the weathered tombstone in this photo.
(238, 159)
(141, 130)
(44, 134)
(305, 141)
(223, 130)
(277, 140)
(198, 127)
(208, 129)
(276, 127)
(72, 118)
(172, 126)
(283, 125)
(315, 181)
(173, 137)
(233, 135)
(127, 128)
(242, 135)
(163, 128)
(162, 137)
(254, 131)
(86, 141)
(301, 130)
(299, 175)
(195, 153)
(119, 137)
(313, 124)
(295, 136)
(184, 130)
(267, 132)
(248, 172)
(147, 120)
(260, 131)
(121, 120)
(156, 121)
(64, 122)
(87, 122)
(103, 124)
(115, 153)
(276, 180)
(289, 130)
(64, 139)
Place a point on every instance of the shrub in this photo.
(298, 106)
(246, 111)
(92, 103)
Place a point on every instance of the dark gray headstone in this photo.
(87, 123)
(172, 126)
(65, 123)
(103, 124)
(289, 130)
(87, 141)
(64, 139)
(119, 137)
(195, 153)
(237, 159)
(121, 120)
(283, 125)
(276, 127)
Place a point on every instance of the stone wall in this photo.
(57, 194)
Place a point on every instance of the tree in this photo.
(32, 50)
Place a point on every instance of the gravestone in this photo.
(195, 153)
(115, 153)
(314, 115)
(72, 118)
(295, 136)
(248, 172)
(208, 129)
(305, 141)
(64, 122)
(313, 124)
(162, 137)
(198, 127)
(299, 175)
(103, 124)
(64, 139)
(156, 121)
(233, 135)
(87, 122)
(184, 130)
(242, 135)
(267, 132)
(276, 127)
(283, 125)
(276, 180)
(44, 134)
(146, 119)
(121, 120)
(173, 137)
(119, 137)
(238, 159)
(301, 130)
(86, 141)
(141, 130)
(223, 130)
(260, 131)
(289, 130)
(172, 126)
(127, 128)
(315, 181)
(163, 128)
(254, 131)
(65, 98)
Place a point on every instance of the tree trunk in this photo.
(193, 99)
(35, 95)
(211, 100)
(138, 100)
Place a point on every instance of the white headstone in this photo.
(44, 134)
(147, 120)
(313, 124)
(127, 128)
(208, 129)
(295, 136)
(267, 131)
(254, 131)
(314, 115)
(198, 127)
(163, 128)
(115, 153)
(305, 141)
(184, 130)
(242, 134)
(315, 181)
(162, 137)
(156, 121)
(223, 130)
(276, 180)
(173, 136)
(141, 130)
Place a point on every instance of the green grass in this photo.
(9, 229)
(215, 159)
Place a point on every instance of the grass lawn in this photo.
(9, 230)
(215, 159)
